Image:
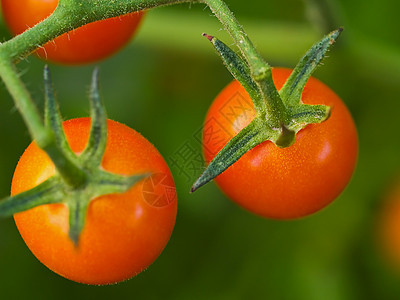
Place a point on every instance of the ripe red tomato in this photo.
(123, 233)
(291, 182)
(89, 43)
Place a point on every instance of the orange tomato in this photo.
(389, 227)
(123, 233)
(291, 182)
(87, 44)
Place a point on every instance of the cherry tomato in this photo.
(290, 182)
(89, 43)
(389, 227)
(123, 233)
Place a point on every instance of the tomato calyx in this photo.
(280, 115)
(79, 178)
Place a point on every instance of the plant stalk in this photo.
(275, 111)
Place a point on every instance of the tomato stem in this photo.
(69, 15)
(260, 71)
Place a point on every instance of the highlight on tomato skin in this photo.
(123, 233)
(284, 183)
(87, 44)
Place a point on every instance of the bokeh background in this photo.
(162, 85)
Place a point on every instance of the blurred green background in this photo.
(162, 84)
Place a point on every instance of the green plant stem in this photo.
(232, 26)
(260, 70)
(69, 15)
(43, 136)
(23, 102)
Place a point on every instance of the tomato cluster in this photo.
(125, 233)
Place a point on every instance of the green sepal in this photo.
(239, 70)
(48, 192)
(253, 134)
(109, 183)
(52, 115)
(305, 114)
(102, 183)
(59, 151)
(94, 151)
(293, 88)
(77, 211)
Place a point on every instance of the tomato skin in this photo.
(87, 44)
(123, 233)
(291, 182)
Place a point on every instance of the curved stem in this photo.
(69, 15)
(23, 102)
